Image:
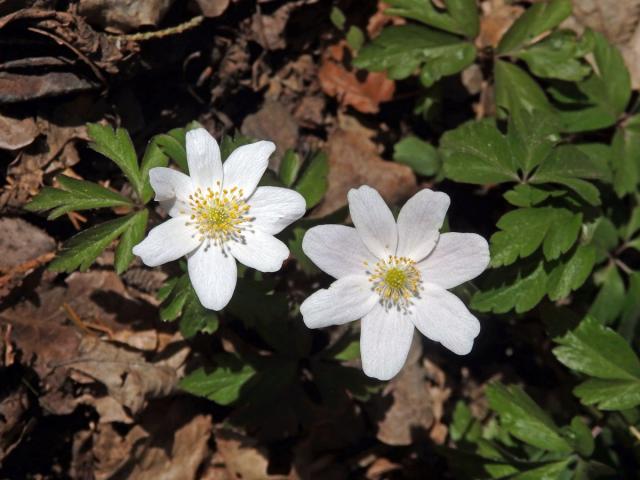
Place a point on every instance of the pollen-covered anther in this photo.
(219, 216)
(397, 281)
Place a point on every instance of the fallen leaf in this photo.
(339, 80)
(19, 88)
(124, 15)
(16, 133)
(354, 161)
(497, 17)
(212, 8)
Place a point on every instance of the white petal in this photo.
(275, 208)
(337, 250)
(419, 223)
(260, 250)
(347, 299)
(169, 183)
(168, 241)
(203, 157)
(456, 258)
(442, 317)
(373, 221)
(246, 165)
(175, 207)
(385, 338)
(213, 275)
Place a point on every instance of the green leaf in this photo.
(521, 293)
(538, 18)
(571, 275)
(355, 37)
(295, 246)
(313, 184)
(75, 195)
(516, 89)
(631, 309)
(133, 235)
(80, 251)
(223, 383)
(604, 95)
(525, 229)
(531, 136)
(625, 158)
(173, 145)
(176, 299)
(610, 299)
(401, 50)
(476, 152)
(550, 471)
(525, 195)
(117, 146)
(579, 434)
(569, 166)
(461, 16)
(337, 18)
(421, 156)
(289, 168)
(461, 421)
(599, 352)
(230, 143)
(153, 157)
(195, 318)
(634, 224)
(524, 419)
(559, 56)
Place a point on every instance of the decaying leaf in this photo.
(16, 133)
(124, 15)
(363, 92)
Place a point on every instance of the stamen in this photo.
(219, 216)
(397, 281)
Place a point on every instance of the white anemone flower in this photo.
(395, 276)
(219, 216)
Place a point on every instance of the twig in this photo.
(183, 27)
(25, 267)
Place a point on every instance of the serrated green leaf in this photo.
(520, 293)
(80, 251)
(175, 301)
(599, 352)
(603, 96)
(221, 384)
(421, 156)
(571, 274)
(531, 136)
(569, 166)
(625, 157)
(173, 145)
(118, 147)
(559, 56)
(195, 318)
(476, 152)
(461, 421)
(610, 299)
(522, 231)
(538, 18)
(525, 195)
(133, 235)
(550, 471)
(153, 157)
(515, 88)
(461, 16)
(75, 195)
(631, 309)
(313, 183)
(524, 419)
(579, 434)
(604, 236)
(401, 50)
(289, 168)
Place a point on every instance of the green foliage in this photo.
(313, 182)
(421, 156)
(460, 17)
(607, 359)
(401, 50)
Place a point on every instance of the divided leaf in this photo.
(401, 50)
(461, 16)
(599, 352)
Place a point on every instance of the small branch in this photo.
(183, 27)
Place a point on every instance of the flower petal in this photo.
(419, 223)
(169, 183)
(347, 299)
(373, 221)
(246, 165)
(203, 157)
(385, 338)
(456, 258)
(442, 317)
(275, 208)
(213, 274)
(337, 250)
(259, 250)
(168, 241)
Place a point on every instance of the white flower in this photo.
(395, 276)
(219, 216)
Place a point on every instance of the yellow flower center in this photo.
(219, 216)
(396, 280)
